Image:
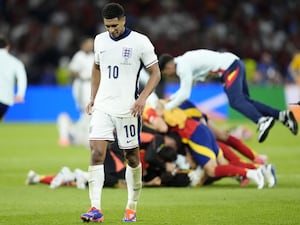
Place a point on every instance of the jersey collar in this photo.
(124, 35)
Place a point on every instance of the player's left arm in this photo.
(153, 81)
(21, 77)
(149, 59)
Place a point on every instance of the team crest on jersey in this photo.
(126, 53)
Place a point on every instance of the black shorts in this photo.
(3, 110)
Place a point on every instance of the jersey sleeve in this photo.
(21, 79)
(96, 51)
(149, 56)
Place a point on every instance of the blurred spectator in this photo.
(266, 72)
(43, 32)
(294, 68)
(80, 68)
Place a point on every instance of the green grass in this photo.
(34, 146)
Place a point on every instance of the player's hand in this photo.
(138, 107)
(171, 167)
(19, 99)
(89, 107)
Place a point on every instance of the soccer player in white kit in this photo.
(203, 64)
(116, 106)
(11, 70)
(80, 67)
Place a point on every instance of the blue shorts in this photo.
(203, 145)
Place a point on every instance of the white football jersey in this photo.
(82, 63)
(120, 62)
(11, 70)
(198, 65)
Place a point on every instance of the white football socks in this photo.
(96, 181)
(133, 178)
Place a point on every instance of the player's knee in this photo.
(210, 172)
(97, 156)
(237, 101)
(222, 135)
(132, 157)
(209, 168)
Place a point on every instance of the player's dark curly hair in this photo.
(163, 60)
(167, 154)
(113, 10)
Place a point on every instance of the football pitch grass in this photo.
(34, 146)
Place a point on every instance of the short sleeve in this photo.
(148, 54)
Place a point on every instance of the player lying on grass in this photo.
(161, 161)
(114, 176)
(203, 145)
(65, 177)
(222, 135)
(224, 140)
(166, 165)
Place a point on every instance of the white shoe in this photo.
(264, 126)
(81, 178)
(65, 175)
(32, 178)
(270, 175)
(257, 177)
(288, 119)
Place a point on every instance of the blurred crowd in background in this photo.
(266, 34)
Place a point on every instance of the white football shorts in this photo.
(103, 126)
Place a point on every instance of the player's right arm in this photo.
(95, 82)
(184, 91)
